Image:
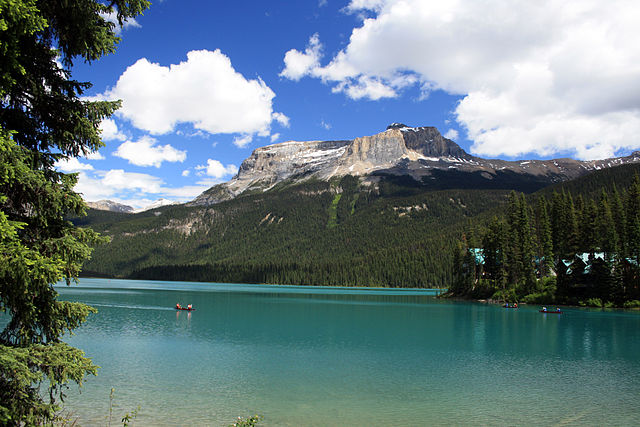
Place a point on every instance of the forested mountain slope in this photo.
(288, 220)
(316, 232)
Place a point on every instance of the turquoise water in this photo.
(344, 357)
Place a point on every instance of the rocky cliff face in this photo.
(399, 150)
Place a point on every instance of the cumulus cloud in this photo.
(145, 152)
(204, 91)
(299, 64)
(113, 18)
(275, 137)
(282, 119)
(110, 132)
(242, 141)
(544, 77)
(134, 189)
(94, 156)
(452, 134)
(118, 179)
(215, 169)
(71, 164)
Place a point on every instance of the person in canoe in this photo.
(189, 307)
(544, 308)
(178, 306)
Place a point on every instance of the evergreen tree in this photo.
(558, 226)
(526, 241)
(633, 220)
(493, 247)
(606, 228)
(619, 218)
(43, 119)
(589, 241)
(544, 238)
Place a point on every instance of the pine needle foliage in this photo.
(43, 119)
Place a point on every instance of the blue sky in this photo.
(205, 83)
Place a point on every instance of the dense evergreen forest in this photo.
(574, 244)
(316, 233)
(397, 234)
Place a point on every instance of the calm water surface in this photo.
(343, 357)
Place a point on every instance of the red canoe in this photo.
(184, 308)
(551, 311)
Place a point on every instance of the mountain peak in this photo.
(397, 126)
(421, 153)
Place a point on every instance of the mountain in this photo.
(109, 205)
(384, 210)
(157, 204)
(419, 153)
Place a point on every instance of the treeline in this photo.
(557, 248)
(315, 233)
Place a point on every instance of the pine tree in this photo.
(619, 219)
(43, 119)
(493, 247)
(545, 238)
(633, 219)
(606, 228)
(525, 235)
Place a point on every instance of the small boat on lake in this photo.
(510, 306)
(556, 311)
(187, 308)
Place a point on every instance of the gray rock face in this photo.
(109, 205)
(399, 150)
(429, 142)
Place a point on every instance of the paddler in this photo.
(189, 307)
(178, 306)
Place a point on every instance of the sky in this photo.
(204, 83)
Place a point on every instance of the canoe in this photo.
(184, 308)
(509, 306)
(551, 311)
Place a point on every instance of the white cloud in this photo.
(113, 18)
(118, 179)
(242, 141)
(452, 134)
(299, 64)
(71, 164)
(110, 132)
(94, 156)
(204, 91)
(134, 189)
(366, 87)
(216, 169)
(544, 77)
(145, 152)
(275, 137)
(186, 172)
(282, 119)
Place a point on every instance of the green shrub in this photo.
(544, 297)
(506, 295)
(632, 304)
(593, 302)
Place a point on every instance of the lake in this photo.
(317, 356)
